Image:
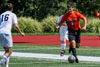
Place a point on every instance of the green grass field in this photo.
(36, 62)
(33, 62)
(51, 49)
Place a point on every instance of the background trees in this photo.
(39, 9)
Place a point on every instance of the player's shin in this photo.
(75, 54)
(70, 48)
(63, 46)
(3, 60)
(7, 62)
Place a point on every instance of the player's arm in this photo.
(84, 20)
(58, 22)
(15, 23)
(18, 29)
(85, 24)
(63, 19)
(57, 26)
(98, 14)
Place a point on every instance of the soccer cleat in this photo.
(62, 53)
(77, 61)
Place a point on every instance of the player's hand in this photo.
(97, 13)
(84, 29)
(57, 27)
(22, 34)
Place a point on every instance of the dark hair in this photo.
(69, 5)
(9, 6)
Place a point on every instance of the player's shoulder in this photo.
(75, 12)
(8, 12)
(13, 14)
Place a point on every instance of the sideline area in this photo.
(86, 41)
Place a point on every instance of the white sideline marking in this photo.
(52, 56)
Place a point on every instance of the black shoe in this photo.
(77, 61)
(62, 53)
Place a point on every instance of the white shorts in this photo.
(63, 32)
(6, 40)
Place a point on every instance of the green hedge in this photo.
(93, 25)
(49, 23)
(29, 25)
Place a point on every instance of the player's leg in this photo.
(70, 48)
(8, 52)
(63, 40)
(78, 39)
(77, 42)
(73, 42)
(7, 63)
(72, 39)
(5, 57)
(77, 45)
(7, 45)
(0, 44)
(63, 46)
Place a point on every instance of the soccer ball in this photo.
(71, 59)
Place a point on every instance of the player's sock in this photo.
(3, 60)
(0, 65)
(75, 54)
(63, 46)
(7, 62)
(70, 48)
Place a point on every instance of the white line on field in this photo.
(52, 56)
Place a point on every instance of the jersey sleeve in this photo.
(98, 16)
(59, 20)
(63, 18)
(80, 15)
(14, 20)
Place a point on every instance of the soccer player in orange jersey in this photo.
(72, 18)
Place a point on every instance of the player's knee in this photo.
(77, 46)
(73, 44)
(63, 41)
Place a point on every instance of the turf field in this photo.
(50, 49)
(51, 45)
(33, 62)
